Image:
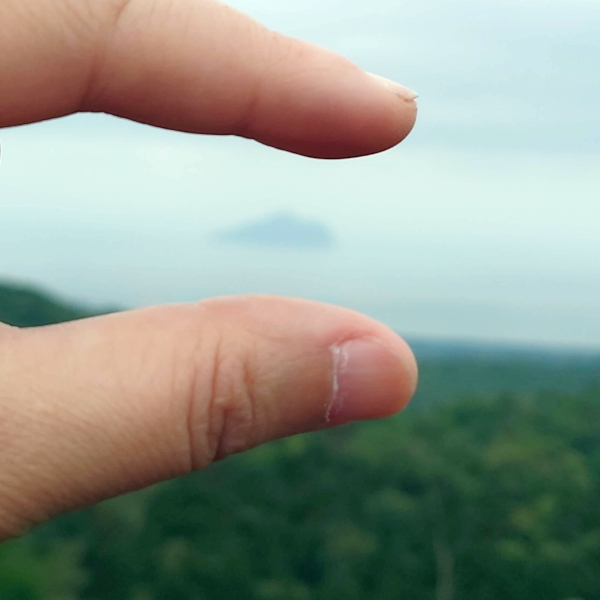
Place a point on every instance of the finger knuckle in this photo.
(223, 410)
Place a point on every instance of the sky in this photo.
(484, 223)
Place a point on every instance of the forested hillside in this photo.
(481, 495)
(26, 307)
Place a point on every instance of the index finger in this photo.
(192, 65)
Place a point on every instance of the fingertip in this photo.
(330, 108)
(361, 367)
(408, 360)
(370, 381)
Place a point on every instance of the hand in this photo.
(98, 407)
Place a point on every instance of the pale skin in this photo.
(99, 407)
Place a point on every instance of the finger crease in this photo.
(91, 92)
(214, 437)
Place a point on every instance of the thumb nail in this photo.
(370, 381)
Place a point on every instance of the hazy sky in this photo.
(504, 163)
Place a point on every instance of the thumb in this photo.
(192, 65)
(98, 407)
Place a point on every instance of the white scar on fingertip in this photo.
(340, 359)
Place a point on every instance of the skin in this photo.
(99, 407)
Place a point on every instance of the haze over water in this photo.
(498, 290)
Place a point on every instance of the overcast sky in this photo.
(506, 150)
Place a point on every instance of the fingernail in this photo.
(401, 91)
(370, 381)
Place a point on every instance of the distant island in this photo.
(281, 230)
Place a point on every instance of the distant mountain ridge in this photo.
(25, 306)
(280, 230)
(496, 351)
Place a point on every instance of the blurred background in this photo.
(477, 239)
(483, 224)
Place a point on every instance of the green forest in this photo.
(486, 488)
